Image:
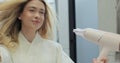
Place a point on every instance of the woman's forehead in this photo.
(35, 4)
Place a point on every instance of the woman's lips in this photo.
(36, 22)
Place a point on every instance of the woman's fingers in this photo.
(103, 60)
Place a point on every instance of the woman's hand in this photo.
(103, 60)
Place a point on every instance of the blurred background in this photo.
(71, 14)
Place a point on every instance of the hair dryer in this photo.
(107, 40)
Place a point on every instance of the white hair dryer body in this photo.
(107, 40)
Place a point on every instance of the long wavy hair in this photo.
(11, 25)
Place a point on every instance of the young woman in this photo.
(26, 32)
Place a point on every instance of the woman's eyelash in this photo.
(31, 10)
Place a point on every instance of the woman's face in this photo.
(33, 15)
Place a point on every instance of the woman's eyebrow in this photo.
(33, 7)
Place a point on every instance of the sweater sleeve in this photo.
(5, 55)
(62, 57)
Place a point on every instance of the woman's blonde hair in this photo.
(9, 13)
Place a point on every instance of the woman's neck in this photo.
(29, 34)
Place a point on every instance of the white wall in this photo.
(62, 31)
(107, 15)
(1, 0)
(62, 10)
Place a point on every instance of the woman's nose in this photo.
(37, 16)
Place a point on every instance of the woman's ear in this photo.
(19, 17)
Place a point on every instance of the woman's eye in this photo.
(31, 10)
(42, 12)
